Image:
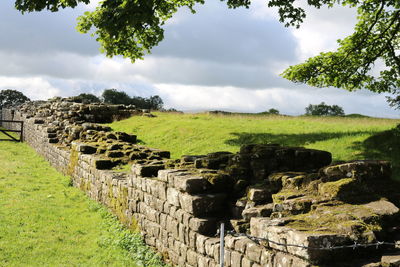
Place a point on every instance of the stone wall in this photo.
(267, 191)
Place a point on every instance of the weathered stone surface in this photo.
(360, 170)
(204, 226)
(392, 260)
(382, 207)
(259, 195)
(199, 205)
(258, 211)
(173, 196)
(265, 228)
(146, 170)
(191, 184)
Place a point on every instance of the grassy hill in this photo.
(346, 138)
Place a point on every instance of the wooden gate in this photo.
(8, 133)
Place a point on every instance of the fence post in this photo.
(221, 245)
(21, 138)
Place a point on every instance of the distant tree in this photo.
(324, 110)
(112, 96)
(153, 102)
(140, 102)
(86, 98)
(156, 102)
(9, 98)
(273, 111)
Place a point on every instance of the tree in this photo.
(112, 96)
(131, 28)
(10, 98)
(273, 111)
(324, 110)
(86, 98)
(156, 102)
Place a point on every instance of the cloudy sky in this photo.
(216, 59)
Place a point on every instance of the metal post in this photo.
(221, 245)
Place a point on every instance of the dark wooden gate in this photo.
(8, 132)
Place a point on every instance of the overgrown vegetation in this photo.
(346, 138)
(46, 222)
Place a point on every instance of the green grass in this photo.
(346, 138)
(46, 222)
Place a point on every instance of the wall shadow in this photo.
(379, 146)
(383, 146)
(244, 138)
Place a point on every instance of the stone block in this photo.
(236, 259)
(146, 170)
(201, 205)
(191, 184)
(391, 260)
(204, 226)
(259, 195)
(246, 262)
(191, 257)
(270, 229)
(258, 211)
(362, 170)
(167, 175)
(173, 196)
(253, 252)
(241, 244)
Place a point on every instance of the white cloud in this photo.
(33, 87)
(322, 28)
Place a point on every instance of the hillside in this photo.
(346, 138)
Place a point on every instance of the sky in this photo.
(216, 59)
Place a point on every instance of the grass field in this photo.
(46, 222)
(346, 138)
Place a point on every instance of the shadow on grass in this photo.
(287, 139)
(379, 146)
(384, 146)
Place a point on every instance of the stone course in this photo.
(287, 194)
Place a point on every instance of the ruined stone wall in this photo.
(178, 208)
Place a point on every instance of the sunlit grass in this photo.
(46, 222)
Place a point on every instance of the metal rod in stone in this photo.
(221, 245)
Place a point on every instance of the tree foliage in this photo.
(395, 101)
(86, 98)
(10, 98)
(271, 111)
(113, 96)
(131, 28)
(324, 110)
